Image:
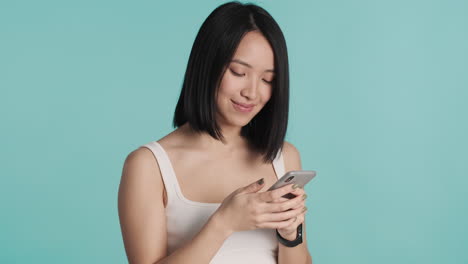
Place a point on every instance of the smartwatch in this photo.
(294, 242)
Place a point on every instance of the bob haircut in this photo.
(212, 51)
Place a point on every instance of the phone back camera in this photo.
(289, 179)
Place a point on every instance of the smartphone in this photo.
(301, 178)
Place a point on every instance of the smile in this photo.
(242, 107)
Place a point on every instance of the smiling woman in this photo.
(195, 195)
(246, 40)
(244, 89)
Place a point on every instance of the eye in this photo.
(237, 74)
(269, 82)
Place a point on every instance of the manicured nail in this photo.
(295, 186)
(305, 209)
(260, 182)
(304, 196)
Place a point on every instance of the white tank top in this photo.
(185, 218)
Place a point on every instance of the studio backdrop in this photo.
(378, 108)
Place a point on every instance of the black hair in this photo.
(212, 50)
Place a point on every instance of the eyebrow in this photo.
(248, 65)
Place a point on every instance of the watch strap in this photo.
(289, 243)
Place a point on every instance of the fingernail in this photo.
(305, 209)
(304, 196)
(295, 186)
(260, 182)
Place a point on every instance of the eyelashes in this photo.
(237, 74)
(243, 74)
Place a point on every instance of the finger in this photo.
(280, 200)
(277, 217)
(298, 191)
(276, 225)
(300, 218)
(270, 196)
(286, 205)
(293, 226)
(253, 187)
(290, 228)
(294, 193)
(300, 205)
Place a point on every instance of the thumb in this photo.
(253, 187)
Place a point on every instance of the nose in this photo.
(250, 91)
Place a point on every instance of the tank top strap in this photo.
(166, 169)
(278, 164)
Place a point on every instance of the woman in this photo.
(198, 195)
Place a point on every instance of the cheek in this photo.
(228, 85)
(225, 90)
(266, 95)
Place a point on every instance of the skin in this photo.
(211, 171)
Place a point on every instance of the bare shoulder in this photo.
(291, 156)
(141, 159)
(141, 208)
(141, 167)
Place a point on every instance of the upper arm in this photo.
(141, 208)
(291, 156)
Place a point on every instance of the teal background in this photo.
(378, 108)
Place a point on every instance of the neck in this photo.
(232, 139)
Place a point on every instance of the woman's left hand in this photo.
(290, 232)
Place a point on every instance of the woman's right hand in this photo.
(246, 209)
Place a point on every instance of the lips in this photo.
(242, 107)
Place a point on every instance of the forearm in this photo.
(298, 254)
(203, 247)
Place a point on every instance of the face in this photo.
(246, 85)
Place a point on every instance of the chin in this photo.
(240, 123)
(234, 119)
(237, 122)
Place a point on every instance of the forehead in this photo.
(255, 49)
